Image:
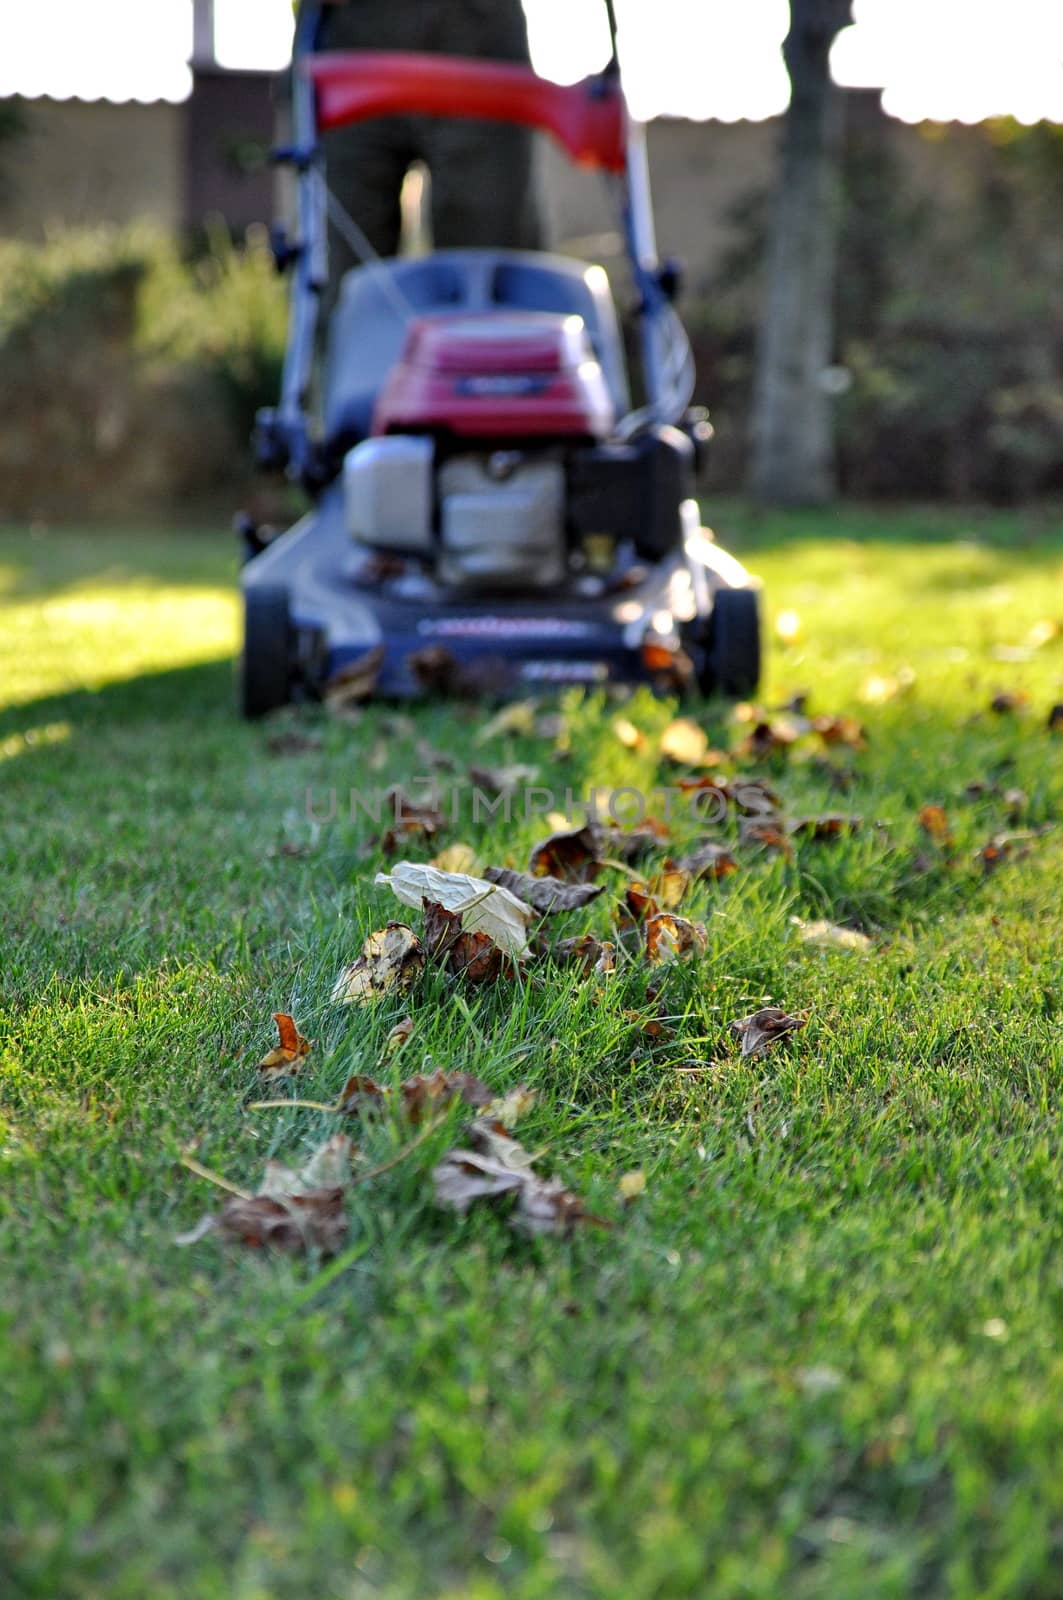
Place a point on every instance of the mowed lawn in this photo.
(818, 1357)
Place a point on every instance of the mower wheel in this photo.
(265, 666)
(732, 664)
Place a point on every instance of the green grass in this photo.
(818, 1358)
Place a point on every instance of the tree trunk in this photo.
(792, 424)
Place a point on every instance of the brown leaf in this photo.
(289, 1053)
(354, 682)
(669, 937)
(544, 894)
(755, 798)
(1006, 702)
(398, 1036)
(472, 955)
(391, 961)
(411, 819)
(592, 954)
(709, 860)
(840, 730)
(762, 1028)
(630, 844)
(766, 831)
(934, 822)
(435, 670)
(360, 1094)
(571, 855)
(291, 1211)
(767, 738)
(497, 1165)
(827, 826)
(423, 1092)
(652, 1027)
(502, 780)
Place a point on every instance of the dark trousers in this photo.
(483, 191)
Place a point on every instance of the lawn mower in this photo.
(488, 506)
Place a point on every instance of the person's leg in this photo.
(483, 185)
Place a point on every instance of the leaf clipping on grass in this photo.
(709, 860)
(594, 955)
(571, 855)
(494, 1165)
(483, 906)
(410, 819)
(417, 1094)
(455, 858)
(830, 936)
(824, 828)
(391, 961)
(762, 1028)
(685, 743)
(465, 953)
(544, 894)
(355, 682)
(287, 1056)
(668, 938)
(292, 1211)
(933, 819)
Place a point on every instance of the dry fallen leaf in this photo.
(840, 730)
(571, 855)
(496, 1165)
(762, 1028)
(669, 937)
(827, 826)
(831, 936)
(291, 1211)
(435, 670)
(422, 1092)
(508, 1108)
(631, 1185)
(1055, 719)
(651, 1027)
(630, 844)
(466, 953)
(289, 1053)
(630, 737)
(767, 738)
(494, 781)
(483, 906)
(1007, 701)
(709, 860)
(685, 743)
(355, 682)
(592, 954)
(392, 959)
(544, 894)
(410, 819)
(516, 718)
(934, 822)
(455, 858)
(767, 832)
(398, 1036)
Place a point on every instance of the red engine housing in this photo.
(497, 375)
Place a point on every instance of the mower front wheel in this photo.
(732, 659)
(265, 666)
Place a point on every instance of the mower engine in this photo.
(472, 430)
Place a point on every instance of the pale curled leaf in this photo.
(392, 959)
(483, 906)
(830, 936)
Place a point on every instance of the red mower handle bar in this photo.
(587, 118)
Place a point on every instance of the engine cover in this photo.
(497, 375)
(501, 522)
